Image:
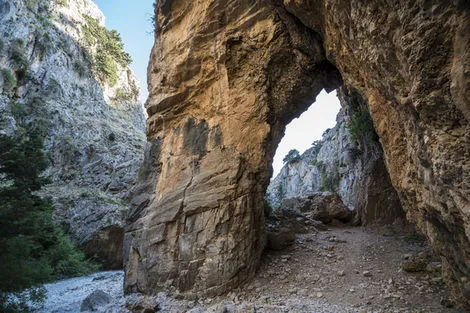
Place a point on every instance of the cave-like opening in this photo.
(301, 132)
(339, 154)
(316, 199)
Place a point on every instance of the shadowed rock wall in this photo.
(227, 76)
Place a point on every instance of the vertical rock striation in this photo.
(219, 100)
(227, 76)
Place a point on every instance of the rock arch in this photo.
(225, 77)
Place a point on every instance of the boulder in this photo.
(415, 263)
(322, 206)
(95, 301)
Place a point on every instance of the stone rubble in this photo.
(314, 274)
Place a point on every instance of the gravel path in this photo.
(344, 269)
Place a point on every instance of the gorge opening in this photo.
(301, 132)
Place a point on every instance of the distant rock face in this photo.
(225, 79)
(54, 66)
(348, 160)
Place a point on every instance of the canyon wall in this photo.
(62, 71)
(225, 78)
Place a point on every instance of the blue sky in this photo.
(133, 20)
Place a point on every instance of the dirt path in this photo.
(346, 269)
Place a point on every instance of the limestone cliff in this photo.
(348, 160)
(227, 76)
(57, 65)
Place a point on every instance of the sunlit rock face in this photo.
(227, 76)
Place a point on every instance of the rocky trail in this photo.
(351, 269)
(343, 269)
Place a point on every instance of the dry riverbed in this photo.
(344, 269)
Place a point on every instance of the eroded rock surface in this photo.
(225, 79)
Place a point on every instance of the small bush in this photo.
(31, 4)
(32, 115)
(9, 80)
(280, 193)
(53, 88)
(153, 20)
(17, 55)
(43, 46)
(64, 45)
(361, 126)
(108, 68)
(330, 182)
(317, 163)
(316, 146)
(2, 44)
(115, 47)
(112, 137)
(135, 89)
(123, 95)
(80, 68)
(41, 125)
(63, 3)
(18, 111)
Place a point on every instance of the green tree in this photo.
(291, 156)
(32, 249)
(109, 49)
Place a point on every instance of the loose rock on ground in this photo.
(344, 269)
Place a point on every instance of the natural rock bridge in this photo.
(227, 76)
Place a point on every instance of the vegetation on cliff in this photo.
(108, 47)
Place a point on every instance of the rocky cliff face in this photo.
(348, 160)
(68, 74)
(225, 79)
